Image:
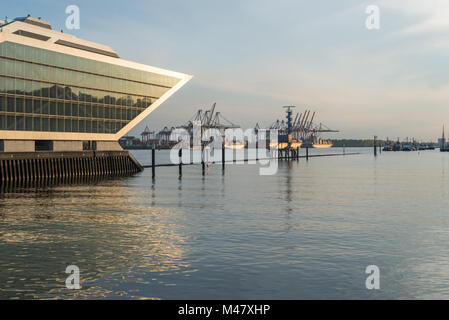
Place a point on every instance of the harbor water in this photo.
(309, 231)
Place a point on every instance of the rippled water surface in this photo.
(307, 232)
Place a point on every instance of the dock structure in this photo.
(38, 166)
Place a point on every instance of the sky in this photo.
(252, 57)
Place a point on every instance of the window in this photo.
(74, 109)
(10, 123)
(20, 69)
(37, 107)
(9, 67)
(81, 110)
(28, 123)
(100, 112)
(53, 124)
(37, 86)
(9, 85)
(88, 126)
(19, 105)
(100, 127)
(20, 86)
(43, 145)
(68, 109)
(88, 111)
(68, 125)
(74, 125)
(28, 106)
(20, 123)
(53, 91)
(60, 92)
(61, 108)
(94, 111)
(10, 105)
(89, 145)
(61, 125)
(36, 124)
(81, 126)
(45, 124)
(53, 108)
(28, 87)
(45, 106)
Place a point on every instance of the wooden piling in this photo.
(2, 171)
(180, 161)
(375, 146)
(203, 164)
(153, 161)
(223, 156)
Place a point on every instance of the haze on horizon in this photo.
(252, 57)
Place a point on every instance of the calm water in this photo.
(307, 232)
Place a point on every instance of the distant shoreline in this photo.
(348, 143)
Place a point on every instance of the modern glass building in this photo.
(62, 90)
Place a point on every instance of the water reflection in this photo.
(109, 232)
(307, 232)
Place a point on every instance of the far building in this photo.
(62, 93)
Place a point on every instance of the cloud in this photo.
(433, 15)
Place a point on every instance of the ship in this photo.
(310, 134)
(300, 132)
(322, 144)
(287, 138)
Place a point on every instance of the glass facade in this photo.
(42, 90)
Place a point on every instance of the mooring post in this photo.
(180, 161)
(307, 153)
(257, 148)
(203, 164)
(153, 161)
(375, 146)
(223, 156)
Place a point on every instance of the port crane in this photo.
(306, 130)
(302, 127)
(208, 119)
